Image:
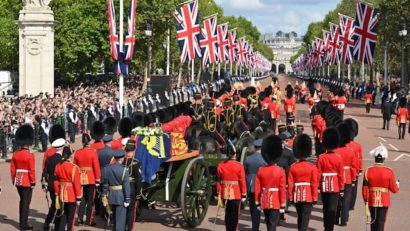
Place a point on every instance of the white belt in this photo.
(271, 189)
(302, 184)
(329, 174)
(22, 170)
(346, 167)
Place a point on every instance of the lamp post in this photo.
(403, 34)
(148, 33)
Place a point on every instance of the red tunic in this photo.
(22, 168)
(265, 103)
(303, 182)
(340, 103)
(67, 184)
(87, 160)
(368, 98)
(402, 115)
(331, 172)
(357, 149)
(274, 109)
(244, 102)
(319, 126)
(349, 163)
(117, 144)
(289, 105)
(270, 191)
(98, 145)
(231, 183)
(51, 151)
(378, 181)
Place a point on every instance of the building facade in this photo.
(284, 46)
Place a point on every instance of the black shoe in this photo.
(343, 224)
(80, 223)
(46, 227)
(28, 227)
(92, 224)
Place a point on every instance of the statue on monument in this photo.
(36, 3)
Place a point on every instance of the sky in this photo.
(271, 16)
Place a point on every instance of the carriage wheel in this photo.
(195, 192)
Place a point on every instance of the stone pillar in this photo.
(36, 50)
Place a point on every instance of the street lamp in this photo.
(403, 34)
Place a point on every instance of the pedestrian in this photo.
(252, 164)
(331, 173)
(90, 177)
(22, 171)
(402, 117)
(368, 99)
(270, 183)
(57, 133)
(231, 188)
(387, 109)
(116, 189)
(72, 123)
(68, 190)
(378, 182)
(303, 181)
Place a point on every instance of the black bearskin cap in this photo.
(25, 135)
(353, 127)
(149, 119)
(289, 93)
(344, 132)
(125, 127)
(56, 132)
(402, 102)
(251, 90)
(271, 148)
(85, 139)
(268, 91)
(138, 119)
(331, 138)
(302, 146)
(262, 95)
(110, 125)
(97, 130)
(341, 93)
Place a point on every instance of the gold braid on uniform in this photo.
(197, 115)
(209, 126)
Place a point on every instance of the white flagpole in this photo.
(193, 71)
(362, 71)
(338, 70)
(349, 72)
(219, 70)
(168, 48)
(121, 80)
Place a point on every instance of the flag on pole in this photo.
(114, 40)
(346, 41)
(223, 45)
(326, 46)
(334, 44)
(188, 31)
(365, 33)
(209, 41)
(241, 51)
(233, 46)
(130, 37)
(319, 52)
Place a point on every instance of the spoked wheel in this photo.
(195, 192)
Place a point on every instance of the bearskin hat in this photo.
(25, 135)
(138, 119)
(353, 127)
(56, 132)
(125, 127)
(402, 102)
(85, 139)
(341, 92)
(331, 138)
(271, 148)
(251, 90)
(161, 115)
(110, 124)
(262, 95)
(97, 130)
(302, 146)
(344, 132)
(289, 93)
(268, 91)
(149, 119)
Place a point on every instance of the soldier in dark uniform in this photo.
(22, 171)
(387, 111)
(72, 123)
(57, 133)
(211, 124)
(197, 109)
(227, 118)
(116, 189)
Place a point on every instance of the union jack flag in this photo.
(334, 43)
(326, 46)
(114, 41)
(209, 41)
(241, 51)
(223, 42)
(130, 37)
(188, 31)
(319, 52)
(233, 46)
(346, 41)
(365, 33)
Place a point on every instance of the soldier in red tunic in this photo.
(124, 128)
(290, 107)
(90, 175)
(340, 103)
(22, 172)
(68, 190)
(97, 133)
(270, 183)
(331, 174)
(274, 109)
(231, 188)
(378, 182)
(368, 99)
(303, 181)
(402, 117)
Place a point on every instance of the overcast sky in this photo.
(273, 15)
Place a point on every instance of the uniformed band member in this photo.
(68, 190)
(402, 118)
(331, 173)
(368, 99)
(124, 128)
(22, 171)
(97, 133)
(289, 107)
(197, 108)
(57, 133)
(270, 183)
(231, 188)
(340, 102)
(90, 176)
(303, 181)
(378, 182)
(116, 188)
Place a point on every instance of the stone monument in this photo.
(36, 48)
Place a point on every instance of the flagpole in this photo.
(168, 47)
(362, 71)
(338, 70)
(219, 70)
(231, 69)
(349, 72)
(193, 71)
(121, 80)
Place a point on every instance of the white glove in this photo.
(398, 183)
(258, 207)
(97, 185)
(243, 200)
(281, 210)
(78, 202)
(126, 204)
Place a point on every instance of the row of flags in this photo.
(213, 43)
(352, 39)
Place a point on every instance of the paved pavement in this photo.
(169, 217)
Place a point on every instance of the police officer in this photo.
(378, 182)
(22, 171)
(116, 188)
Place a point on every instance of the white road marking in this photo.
(392, 146)
(403, 154)
(382, 139)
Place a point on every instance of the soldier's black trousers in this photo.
(386, 124)
(354, 194)
(304, 210)
(67, 219)
(344, 204)
(52, 210)
(72, 130)
(25, 194)
(255, 212)
(378, 218)
(271, 218)
(232, 214)
(368, 107)
(44, 142)
(329, 210)
(131, 210)
(402, 130)
(87, 204)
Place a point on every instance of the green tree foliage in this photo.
(9, 34)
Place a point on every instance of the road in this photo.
(169, 217)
